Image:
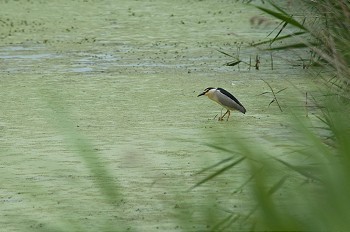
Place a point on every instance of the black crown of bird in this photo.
(225, 99)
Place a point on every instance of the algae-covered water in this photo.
(123, 76)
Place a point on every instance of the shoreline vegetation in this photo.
(321, 28)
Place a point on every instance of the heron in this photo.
(225, 99)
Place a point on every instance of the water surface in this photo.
(125, 75)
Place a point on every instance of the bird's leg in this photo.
(222, 117)
(229, 113)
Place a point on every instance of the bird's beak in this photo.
(201, 94)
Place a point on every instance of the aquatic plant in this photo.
(299, 188)
(302, 187)
(319, 26)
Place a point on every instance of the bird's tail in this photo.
(242, 109)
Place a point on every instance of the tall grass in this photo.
(319, 26)
(308, 189)
(302, 186)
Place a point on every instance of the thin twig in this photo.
(271, 61)
(307, 112)
(250, 62)
(274, 95)
(257, 62)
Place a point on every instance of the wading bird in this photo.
(224, 98)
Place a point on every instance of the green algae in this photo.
(127, 74)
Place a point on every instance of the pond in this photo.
(123, 78)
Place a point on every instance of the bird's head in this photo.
(205, 92)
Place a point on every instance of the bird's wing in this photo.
(228, 100)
